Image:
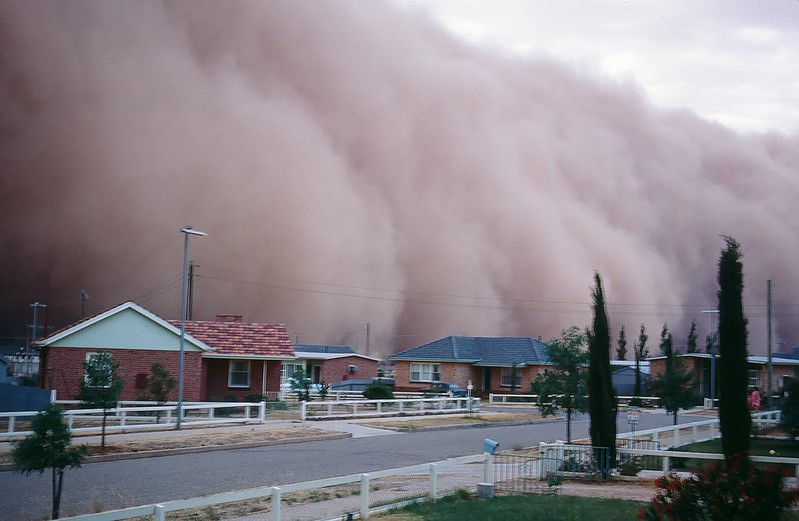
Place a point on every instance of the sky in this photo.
(735, 63)
(423, 168)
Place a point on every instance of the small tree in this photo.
(101, 386)
(734, 419)
(160, 384)
(49, 447)
(621, 345)
(301, 384)
(693, 338)
(673, 386)
(563, 386)
(641, 352)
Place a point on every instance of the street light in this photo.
(186, 231)
(713, 336)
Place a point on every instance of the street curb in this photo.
(5, 467)
(468, 425)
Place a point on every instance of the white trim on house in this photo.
(57, 338)
(245, 356)
(331, 356)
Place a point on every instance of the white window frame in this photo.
(232, 370)
(425, 372)
(89, 356)
(504, 377)
(754, 378)
(286, 373)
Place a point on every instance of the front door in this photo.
(486, 379)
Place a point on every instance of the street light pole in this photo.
(186, 231)
(712, 356)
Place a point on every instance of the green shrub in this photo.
(378, 391)
(630, 467)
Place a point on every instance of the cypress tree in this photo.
(621, 346)
(734, 418)
(601, 402)
(692, 338)
(641, 351)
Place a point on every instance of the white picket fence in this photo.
(131, 418)
(508, 399)
(467, 476)
(694, 432)
(378, 408)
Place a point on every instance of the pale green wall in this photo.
(125, 330)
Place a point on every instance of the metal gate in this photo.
(546, 471)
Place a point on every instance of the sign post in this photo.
(633, 419)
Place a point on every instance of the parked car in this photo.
(289, 386)
(359, 385)
(448, 388)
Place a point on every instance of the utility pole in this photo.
(367, 339)
(190, 302)
(83, 298)
(34, 328)
(769, 369)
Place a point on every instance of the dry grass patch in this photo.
(195, 440)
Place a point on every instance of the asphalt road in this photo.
(105, 486)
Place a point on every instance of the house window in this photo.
(510, 375)
(425, 372)
(754, 378)
(288, 370)
(239, 373)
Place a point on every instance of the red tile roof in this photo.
(241, 338)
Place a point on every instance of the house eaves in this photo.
(237, 356)
(104, 315)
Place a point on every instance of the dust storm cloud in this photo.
(352, 164)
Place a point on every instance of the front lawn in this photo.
(463, 507)
(759, 447)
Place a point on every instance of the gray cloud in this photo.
(352, 163)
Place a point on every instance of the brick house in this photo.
(700, 365)
(491, 364)
(224, 357)
(331, 363)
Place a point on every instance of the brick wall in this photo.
(217, 378)
(461, 373)
(64, 371)
(336, 369)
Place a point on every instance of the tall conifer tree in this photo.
(733, 375)
(601, 401)
(621, 345)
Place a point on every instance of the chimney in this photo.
(228, 318)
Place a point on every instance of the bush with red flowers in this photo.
(738, 492)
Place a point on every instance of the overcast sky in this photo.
(736, 63)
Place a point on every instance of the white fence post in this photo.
(364, 496)
(488, 468)
(262, 410)
(276, 504)
(302, 410)
(159, 513)
(665, 464)
(433, 482)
